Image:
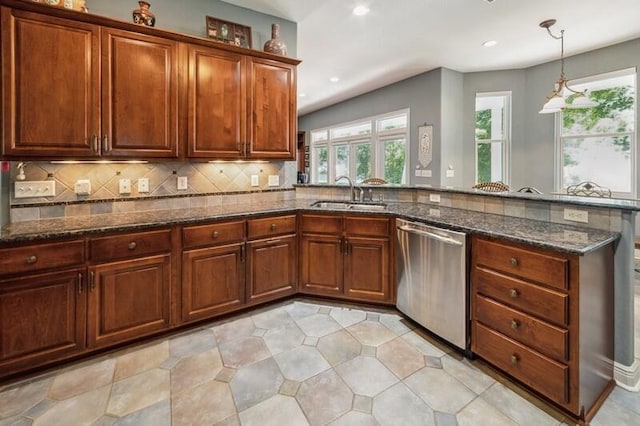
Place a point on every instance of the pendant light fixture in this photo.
(556, 101)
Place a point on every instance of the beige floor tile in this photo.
(339, 347)
(256, 383)
(299, 310)
(196, 370)
(398, 405)
(318, 325)
(157, 415)
(354, 418)
(192, 343)
(77, 381)
(301, 363)
(324, 398)
(396, 323)
(371, 333)
(422, 344)
(439, 390)
(480, 409)
(203, 405)
(466, 373)
(241, 352)
(140, 391)
(283, 338)
(141, 360)
(279, 410)
(366, 375)
(272, 318)
(16, 400)
(347, 317)
(82, 409)
(400, 357)
(516, 408)
(236, 329)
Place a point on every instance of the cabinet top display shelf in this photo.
(31, 6)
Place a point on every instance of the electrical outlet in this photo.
(434, 198)
(124, 186)
(143, 185)
(274, 180)
(576, 215)
(254, 180)
(82, 187)
(418, 173)
(44, 188)
(183, 183)
(426, 173)
(451, 173)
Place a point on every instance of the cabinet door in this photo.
(366, 268)
(42, 318)
(139, 95)
(321, 264)
(50, 85)
(128, 299)
(217, 107)
(272, 109)
(212, 281)
(271, 268)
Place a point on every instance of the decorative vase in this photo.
(275, 45)
(143, 16)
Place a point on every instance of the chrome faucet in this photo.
(352, 197)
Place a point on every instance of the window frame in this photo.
(558, 137)
(506, 133)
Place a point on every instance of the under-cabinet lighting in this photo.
(489, 43)
(99, 162)
(237, 161)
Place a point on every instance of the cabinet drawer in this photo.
(41, 256)
(367, 226)
(266, 227)
(541, 336)
(321, 224)
(532, 265)
(212, 234)
(540, 301)
(130, 245)
(548, 377)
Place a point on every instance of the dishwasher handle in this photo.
(430, 235)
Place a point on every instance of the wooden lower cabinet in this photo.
(366, 268)
(271, 268)
(321, 264)
(212, 281)
(128, 299)
(42, 319)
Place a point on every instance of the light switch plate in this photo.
(27, 189)
(143, 185)
(418, 172)
(183, 183)
(124, 186)
(426, 173)
(274, 180)
(82, 187)
(434, 198)
(451, 173)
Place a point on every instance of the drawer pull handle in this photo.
(31, 260)
(273, 226)
(513, 293)
(514, 359)
(133, 245)
(513, 261)
(215, 234)
(515, 324)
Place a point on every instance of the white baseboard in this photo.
(627, 377)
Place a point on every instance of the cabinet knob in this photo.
(273, 226)
(513, 261)
(215, 234)
(515, 324)
(514, 359)
(513, 293)
(31, 260)
(133, 245)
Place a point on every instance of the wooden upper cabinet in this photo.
(50, 72)
(272, 106)
(216, 106)
(139, 95)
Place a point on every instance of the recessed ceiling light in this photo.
(302, 95)
(360, 10)
(489, 1)
(334, 79)
(489, 43)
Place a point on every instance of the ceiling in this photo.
(402, 38)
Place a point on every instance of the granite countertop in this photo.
(566, 238)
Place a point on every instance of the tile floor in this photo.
(296, 363)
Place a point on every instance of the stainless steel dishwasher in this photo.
(432, 279)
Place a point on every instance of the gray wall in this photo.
(188, 17)
(452, 144)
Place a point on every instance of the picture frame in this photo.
(228, 32)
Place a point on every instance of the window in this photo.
(598, 144)
(371, 147)
(493, 132)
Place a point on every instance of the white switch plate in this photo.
(451, 173)
(183, 183)
(254, 180)
(82, 187)
(434, 198)
(143, 185)
(274, 180)
(27, 189)
(124, 186)
(426, 173)
(576, 215)
(418, 173)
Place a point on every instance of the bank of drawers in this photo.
(521, 314)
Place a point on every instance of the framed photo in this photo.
(228, 32)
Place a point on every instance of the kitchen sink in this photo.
(345, 205)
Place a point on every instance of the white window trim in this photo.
(506, 141)
(558, 158)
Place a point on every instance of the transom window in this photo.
(371, 147)
(598, 144)
(493, 133)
